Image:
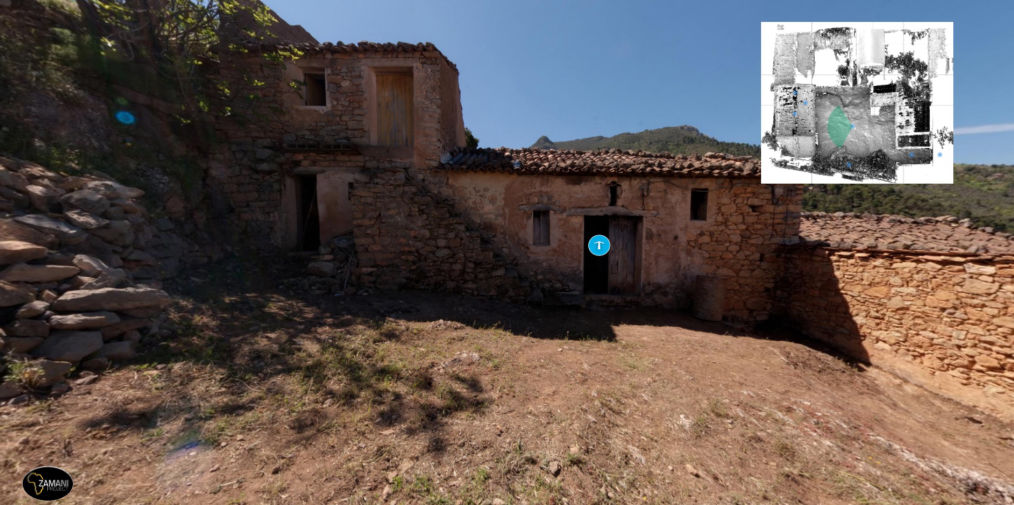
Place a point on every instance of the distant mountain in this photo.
(672, 139)
(982, 193)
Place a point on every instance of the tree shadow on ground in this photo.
(238, 320)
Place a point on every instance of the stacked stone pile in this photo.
(331, 270)
(79, 270)
(847, 230)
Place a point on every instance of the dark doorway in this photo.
(309, 217)
(619, 271)
(596, 268)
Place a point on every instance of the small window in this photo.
(540, 227)
(348, 194)
(614, 193)
(315, 89)
(698, 205)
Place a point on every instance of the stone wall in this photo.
(741, 245)
(942, 318)
(274, 133)
(746, 223)
(79, 269)
(407, 236)
(471, 232)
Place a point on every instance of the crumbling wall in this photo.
(932, 314)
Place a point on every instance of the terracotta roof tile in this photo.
(364, 47)
(873, 231)
(531, 161)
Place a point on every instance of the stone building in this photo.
(309, 126)
(368, 139)
(365, 142)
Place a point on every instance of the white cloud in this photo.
(986, 128)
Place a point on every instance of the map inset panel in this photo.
(857, 103)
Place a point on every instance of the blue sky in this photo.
(571, 69)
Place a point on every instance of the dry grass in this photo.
(262, 391)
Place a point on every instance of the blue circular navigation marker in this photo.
(940, 155)
(125, 117)
(598, 245)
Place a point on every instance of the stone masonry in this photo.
(951, 314)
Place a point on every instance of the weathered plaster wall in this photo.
(943, 320)
(333, 204)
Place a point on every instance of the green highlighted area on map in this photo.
(838, 126)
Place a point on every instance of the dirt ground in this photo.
(264, 394)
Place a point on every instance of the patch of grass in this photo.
(718, 409)
(480, 476)
(24, 373)
(424, 487)
(153, 434)
(397, 483)
(786, 450)
(632, 362)
(700, 426)
(574, 459)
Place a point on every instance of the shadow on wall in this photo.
(810, 304)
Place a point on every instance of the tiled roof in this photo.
(871, 231)
(610, 162)
(380, 48)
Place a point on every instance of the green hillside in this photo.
(672, 139)
(983, 193)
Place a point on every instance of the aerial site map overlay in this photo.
(857, 103)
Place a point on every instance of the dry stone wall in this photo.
(952, 315)
(79, 269)
(407, 236)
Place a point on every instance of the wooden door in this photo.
(394, 108)
(623, 255)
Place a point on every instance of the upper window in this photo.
(394, 107)
(314, 89)
(540, 227)
(699, 204)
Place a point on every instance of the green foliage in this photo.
(673, 139)
(162, 48)
(983, 193)
(470, 141)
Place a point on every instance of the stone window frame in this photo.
(327, 95)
